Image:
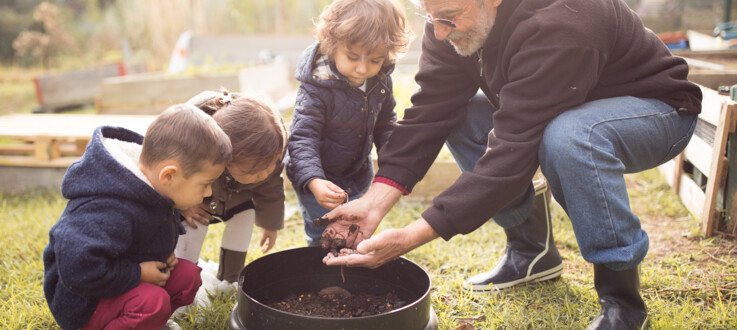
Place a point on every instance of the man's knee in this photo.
(560, 142)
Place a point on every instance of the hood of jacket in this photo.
(306, 66)
(99, 165)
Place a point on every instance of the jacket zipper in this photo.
(480, 53)
(365, 95)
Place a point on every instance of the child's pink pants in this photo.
(148, 306)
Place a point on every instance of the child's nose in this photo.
(361, 67)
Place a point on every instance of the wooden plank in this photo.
(666, 170)
(41, 149)
(691, 195)
(709, 216)
(56, 140)
(711, 55)
(29, 148)
(149, 94)
(67, 126)
(23, 161)
(699, 153)
(65, 147)
(713, 79)
(71, 88)
(701, 64)
(711, 105)
(17, 149)
(730, 193)
(54, 151)
(81, 144)
(677, 172)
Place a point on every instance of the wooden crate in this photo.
(60, 90)
(698, 175)
(54, 140)
(151, 93)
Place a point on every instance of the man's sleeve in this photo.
(437, 108)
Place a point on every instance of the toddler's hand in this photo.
(171, 261)
(327, 193)
(196, 214)
(154, 272)
(268, 238)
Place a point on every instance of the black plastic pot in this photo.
(275, 276)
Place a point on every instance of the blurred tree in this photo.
(276, 16)
(15, 16)
(52, 40)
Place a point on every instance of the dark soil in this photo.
(339, 303)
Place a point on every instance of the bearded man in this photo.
(579, 88)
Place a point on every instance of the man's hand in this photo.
(268, 238)
(366, 212)
(197, 214)
(154, 272)
(385, 246)
(327, 194)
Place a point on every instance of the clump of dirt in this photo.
(338, 302)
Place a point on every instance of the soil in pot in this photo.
(336, 301)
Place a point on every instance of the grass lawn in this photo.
(688, 282)
(16, 90)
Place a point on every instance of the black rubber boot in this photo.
(231, 264)
(619, 296)
(531, 255)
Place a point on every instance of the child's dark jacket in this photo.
(335, 125)
(112, 222)
(230, 197)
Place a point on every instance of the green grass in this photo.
(688, 282)
(16, 90)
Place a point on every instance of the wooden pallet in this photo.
(698, 175)
(55, 140)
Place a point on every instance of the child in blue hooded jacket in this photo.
(110, 262)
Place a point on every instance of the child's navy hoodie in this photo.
(113, 221)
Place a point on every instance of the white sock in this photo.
(238, 230)
(190, 244)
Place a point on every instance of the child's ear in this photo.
(167, 174)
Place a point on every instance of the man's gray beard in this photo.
(479, 34)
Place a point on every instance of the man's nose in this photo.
(441, 31)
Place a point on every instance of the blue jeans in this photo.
(311, 209)
(584, 155)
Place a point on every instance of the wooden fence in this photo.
(699, 174)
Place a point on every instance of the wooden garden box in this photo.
(699, 174)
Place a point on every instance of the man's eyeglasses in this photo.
(428, 18)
